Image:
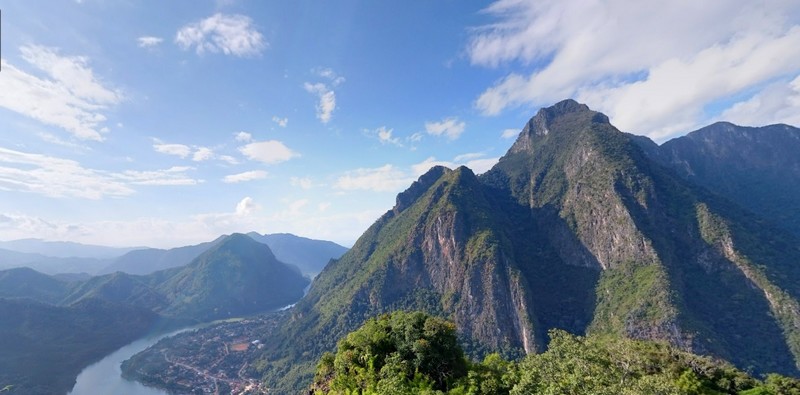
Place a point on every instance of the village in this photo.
(210, 360)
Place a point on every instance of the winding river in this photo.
(105, 376)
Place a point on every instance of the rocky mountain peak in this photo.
(418, 188)
(542, 123)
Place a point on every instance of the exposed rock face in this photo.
(579, 227)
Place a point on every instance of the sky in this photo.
(162, 124)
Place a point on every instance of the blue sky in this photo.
(169, 123)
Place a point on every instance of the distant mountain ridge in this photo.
(236, 276)
(48, 264)
(149, 260)
(307, 254)
(65, 249)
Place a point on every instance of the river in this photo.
(105, 376)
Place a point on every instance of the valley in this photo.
(52, 327)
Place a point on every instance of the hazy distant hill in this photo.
(64, 249)
(149, 260)
(50, 265)
(237, 276)
(28, 283)
(309, 255)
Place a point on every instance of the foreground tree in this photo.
(413, 353)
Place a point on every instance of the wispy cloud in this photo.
(387, 178)
(57, 177)
(510, 133)
(172, 149)
(269, 152)
(282, 122)
(572, 48)
(324, 91)
(451, 128)
(475, 161)
(71, 97)
(391, 178)
(149, 41)
(230, 34)
(203, 154)
(53, 139)
(302, 182)
(245, 176)
(244, 137)
(175, 175)
(384, 135)
(327, 100)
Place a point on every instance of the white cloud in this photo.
(382, 179)
(149, 41)
(203, 154)
(230, 34)
(56, 177)
(172, 149)
(329, 74)
(415, 138)
(384, 135)
(270, 151)
(71, 98)
(282, 122)
(175, 175)
(510, 133)
(657, 81)
(53, 139)
(777, 103)
(474, 161)
(327, 100)
(296, 207)
(451, 128)
(246, 207)
(322, 207)
(227, 158)
(245, 176)
(244, 137)
(302, 182)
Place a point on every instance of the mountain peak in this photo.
(418, 188)
(564, 111)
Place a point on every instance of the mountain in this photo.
(755, 167)
(237, 276)
(28, 283)
(44, 347)
(309, 255)
(149, 260)
(64, 249)
(48, 264)
(577, 227)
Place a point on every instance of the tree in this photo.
(401, 352)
